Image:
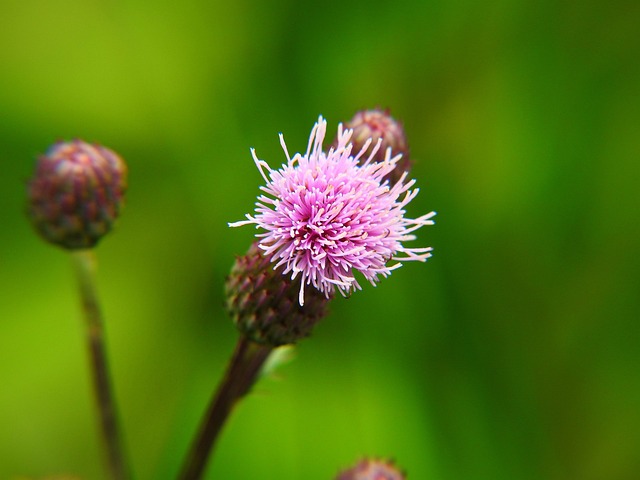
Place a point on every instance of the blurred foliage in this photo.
(512, 354)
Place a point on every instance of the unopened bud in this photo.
(76, 193)
(50, 477)
(379, 124)
(372, 469)
(264, 303)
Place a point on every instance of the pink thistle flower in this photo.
(325, 216)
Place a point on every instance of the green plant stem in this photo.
(84, 264)
(242, 373)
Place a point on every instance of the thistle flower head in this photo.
(372, 469)
(76, 193)
(264, 303)
(326, 216)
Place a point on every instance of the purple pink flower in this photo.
(327, 215)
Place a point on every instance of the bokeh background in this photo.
(512, 354)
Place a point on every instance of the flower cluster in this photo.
(327, 215)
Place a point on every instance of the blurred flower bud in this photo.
(50, 477)
(372, 469)
(264, 303)
(76, 193)
(376, 124)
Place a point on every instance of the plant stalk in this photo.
(242, 372)
(84, 265)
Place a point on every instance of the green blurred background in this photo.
(512, 354)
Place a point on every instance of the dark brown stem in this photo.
(84, 263)
(241, 374)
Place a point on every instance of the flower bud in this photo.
(76, 193)
(50, 477)
(264, 305)
(372, 469)
(376, 124)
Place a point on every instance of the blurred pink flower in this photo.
(325, 216)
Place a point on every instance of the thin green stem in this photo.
(242, 373)
(84, 265)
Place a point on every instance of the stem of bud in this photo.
(84, 265)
